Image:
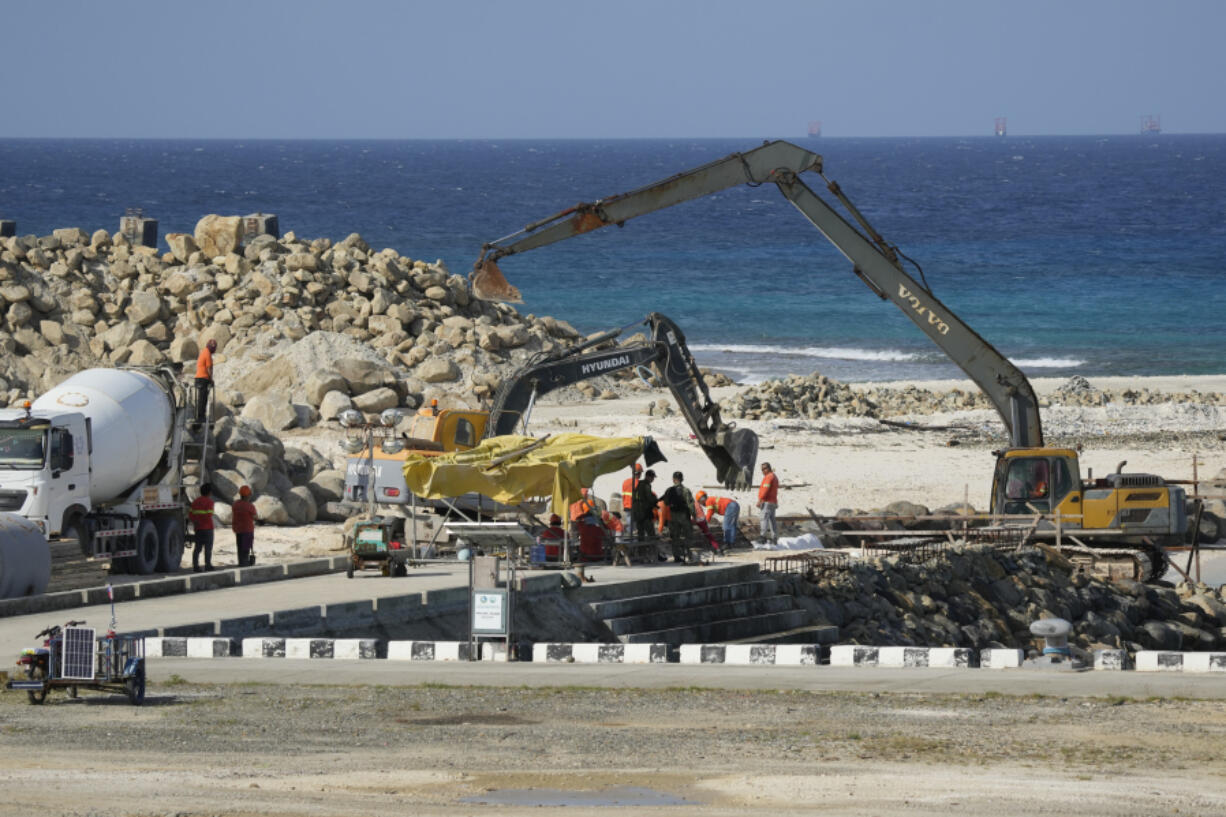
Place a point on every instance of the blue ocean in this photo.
(1072, 255)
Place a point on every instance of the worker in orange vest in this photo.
(628, 498)
(728, 509)
(768, 501)
(585, 507)
(204, 379)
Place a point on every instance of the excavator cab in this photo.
(1037, 480)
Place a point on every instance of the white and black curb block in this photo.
(1111, 660)
(428, 650)
(1160, 661)
(998, 658)
(750, 654)
(189, 647)
(855, 655)
(331, 648)
(600, 653)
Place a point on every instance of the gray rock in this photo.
(226, 483)
(299, 465)
(364, 375)
(271, 511)
(438, 370)
(1158, 635)
(272, 410)
(183, 349)
(372, 402)
(144, 353)
(327, 486)
(333, 403)
(318, 384)
(243, 434)
(300, 505)
(217, 235)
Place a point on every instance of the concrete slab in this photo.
(157, 588)
(260, 573)
(244, 625)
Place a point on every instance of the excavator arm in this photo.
(733, 451)
(873, 260)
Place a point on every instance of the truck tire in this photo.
(170, 544)
(74, 528)
(146, 559)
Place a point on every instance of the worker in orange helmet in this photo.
(729, 509)
(204, 380)
(242, 522)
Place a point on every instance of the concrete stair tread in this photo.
(688, 616)
(682, 598)
(718, 632)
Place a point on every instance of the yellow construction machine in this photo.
(1128, 517)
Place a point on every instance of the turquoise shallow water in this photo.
(1073, 255)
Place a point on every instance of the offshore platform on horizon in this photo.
(1151, 123)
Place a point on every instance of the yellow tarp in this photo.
(559, 468)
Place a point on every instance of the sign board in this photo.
(489, 612)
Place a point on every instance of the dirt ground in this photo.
(434, 750)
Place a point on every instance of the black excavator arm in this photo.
(874, 261)
(732, 450)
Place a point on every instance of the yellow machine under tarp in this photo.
(511, 468)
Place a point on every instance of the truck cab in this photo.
(45, 467)
(1048, 481)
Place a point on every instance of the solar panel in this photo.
(77, 652)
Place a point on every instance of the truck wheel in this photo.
(74, 528)
(37, 674)
(170, 544)
(146, 559)
(135, 687)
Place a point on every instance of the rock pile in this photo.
(72, 300)
(816, 396)
(974, 597)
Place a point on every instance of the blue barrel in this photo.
(536, 554)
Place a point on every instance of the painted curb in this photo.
(1163, 661)
(592, 653)
(998, 658)
(750, 654)
(855, 655)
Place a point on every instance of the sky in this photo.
(483, 69)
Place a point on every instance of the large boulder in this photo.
(272, 409)
(271, 511)
(299, 466)
(333, 404)
(252, 466)
(300, 505)
(244, 434)
(226, 483)
(438, 370)
(217, 235)
(327, 486)
(318, 384)
(373, 402)
(182, 245)
(364, 375)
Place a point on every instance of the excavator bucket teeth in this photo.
(489, 284)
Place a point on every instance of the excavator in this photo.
(662, 351)
(1119, 521)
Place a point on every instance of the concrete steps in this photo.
(732, 603)
(721, 632)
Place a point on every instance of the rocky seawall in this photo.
(977, 597)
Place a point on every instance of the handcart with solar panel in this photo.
(73, 657)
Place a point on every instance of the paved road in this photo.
(1138, 685)
(16, 632)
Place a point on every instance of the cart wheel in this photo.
(73, 692)
(349, 571)
(386, 570)
(400, 570)
(37, 674)
(135, 687)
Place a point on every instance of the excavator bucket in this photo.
(735, 456)
(489, 284)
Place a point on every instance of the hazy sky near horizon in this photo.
(629, 68)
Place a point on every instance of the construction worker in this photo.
(243, 524)
(204, 380)
(729, 509)
(644, 504)
(585, 509)
(628, 497)
(552, 538)
(680, 503)
(768, 501)
(201, 517)
(700, 521)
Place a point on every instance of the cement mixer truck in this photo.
(100, 458)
